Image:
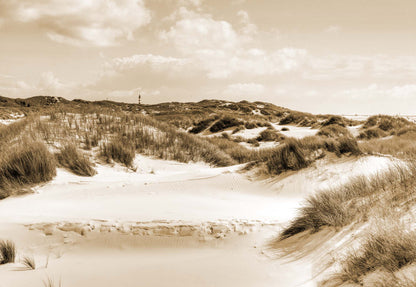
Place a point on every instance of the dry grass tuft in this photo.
(71, 158)
(334, 131)
(29, 262)
(29, 162)
(355, 201)
(7, 252)
(383, 252)
(118, 151)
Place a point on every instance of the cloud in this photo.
(48, 84)
(216, 48)
(374, 92)
(81, 22)
(244, 89)
(156, 62)
(196, 32)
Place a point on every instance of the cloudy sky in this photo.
(321, 56)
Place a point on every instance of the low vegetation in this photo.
(119, 151)
(270, 134)
(334, 131)
(72, 159)
(29, 162)
(7, 251)
(225, 123)
(355, 201)
(294, 154)
(29, 262)
(388, 248)
(403, 146)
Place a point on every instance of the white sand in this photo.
(295, 131)
(166, 200)
(250, 133)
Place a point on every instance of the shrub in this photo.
(7, 252)
(27, 163)
(119, 151)
(71, 158)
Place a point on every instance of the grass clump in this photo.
(119, 151)
(334, 120)
(29, 262)
(389, 124)
(290, 156)
(386, 249)
(270, 134)
(355, 201)
(7, 252)
(29, 162)
(202, 125)
(372, 133)
(334, 131)
(71, 158)
(225, 123)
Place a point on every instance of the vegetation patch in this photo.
(383, 252)
(270, 134)
(7, 251)
(29, 162)
(74, 160)
(334, 131)
(354, 201)
(120, 151)
(225, 123)
(372, 133)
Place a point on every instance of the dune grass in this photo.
(355, 201)
(29, 262)
(334, 131)
(403, 146)
(72, 159)
(376, 262)
(29, 162)
(119, 151)
(7, 252)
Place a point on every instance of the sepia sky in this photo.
(320, 56)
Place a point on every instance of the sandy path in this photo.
(163, 195)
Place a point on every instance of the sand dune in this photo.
(218, 220)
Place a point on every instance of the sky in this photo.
(319, 56)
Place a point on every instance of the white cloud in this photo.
(194, 32)
(156, 62)
(244, 89)
(374, 91)
(81, 22)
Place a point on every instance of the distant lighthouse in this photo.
(140, 99)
